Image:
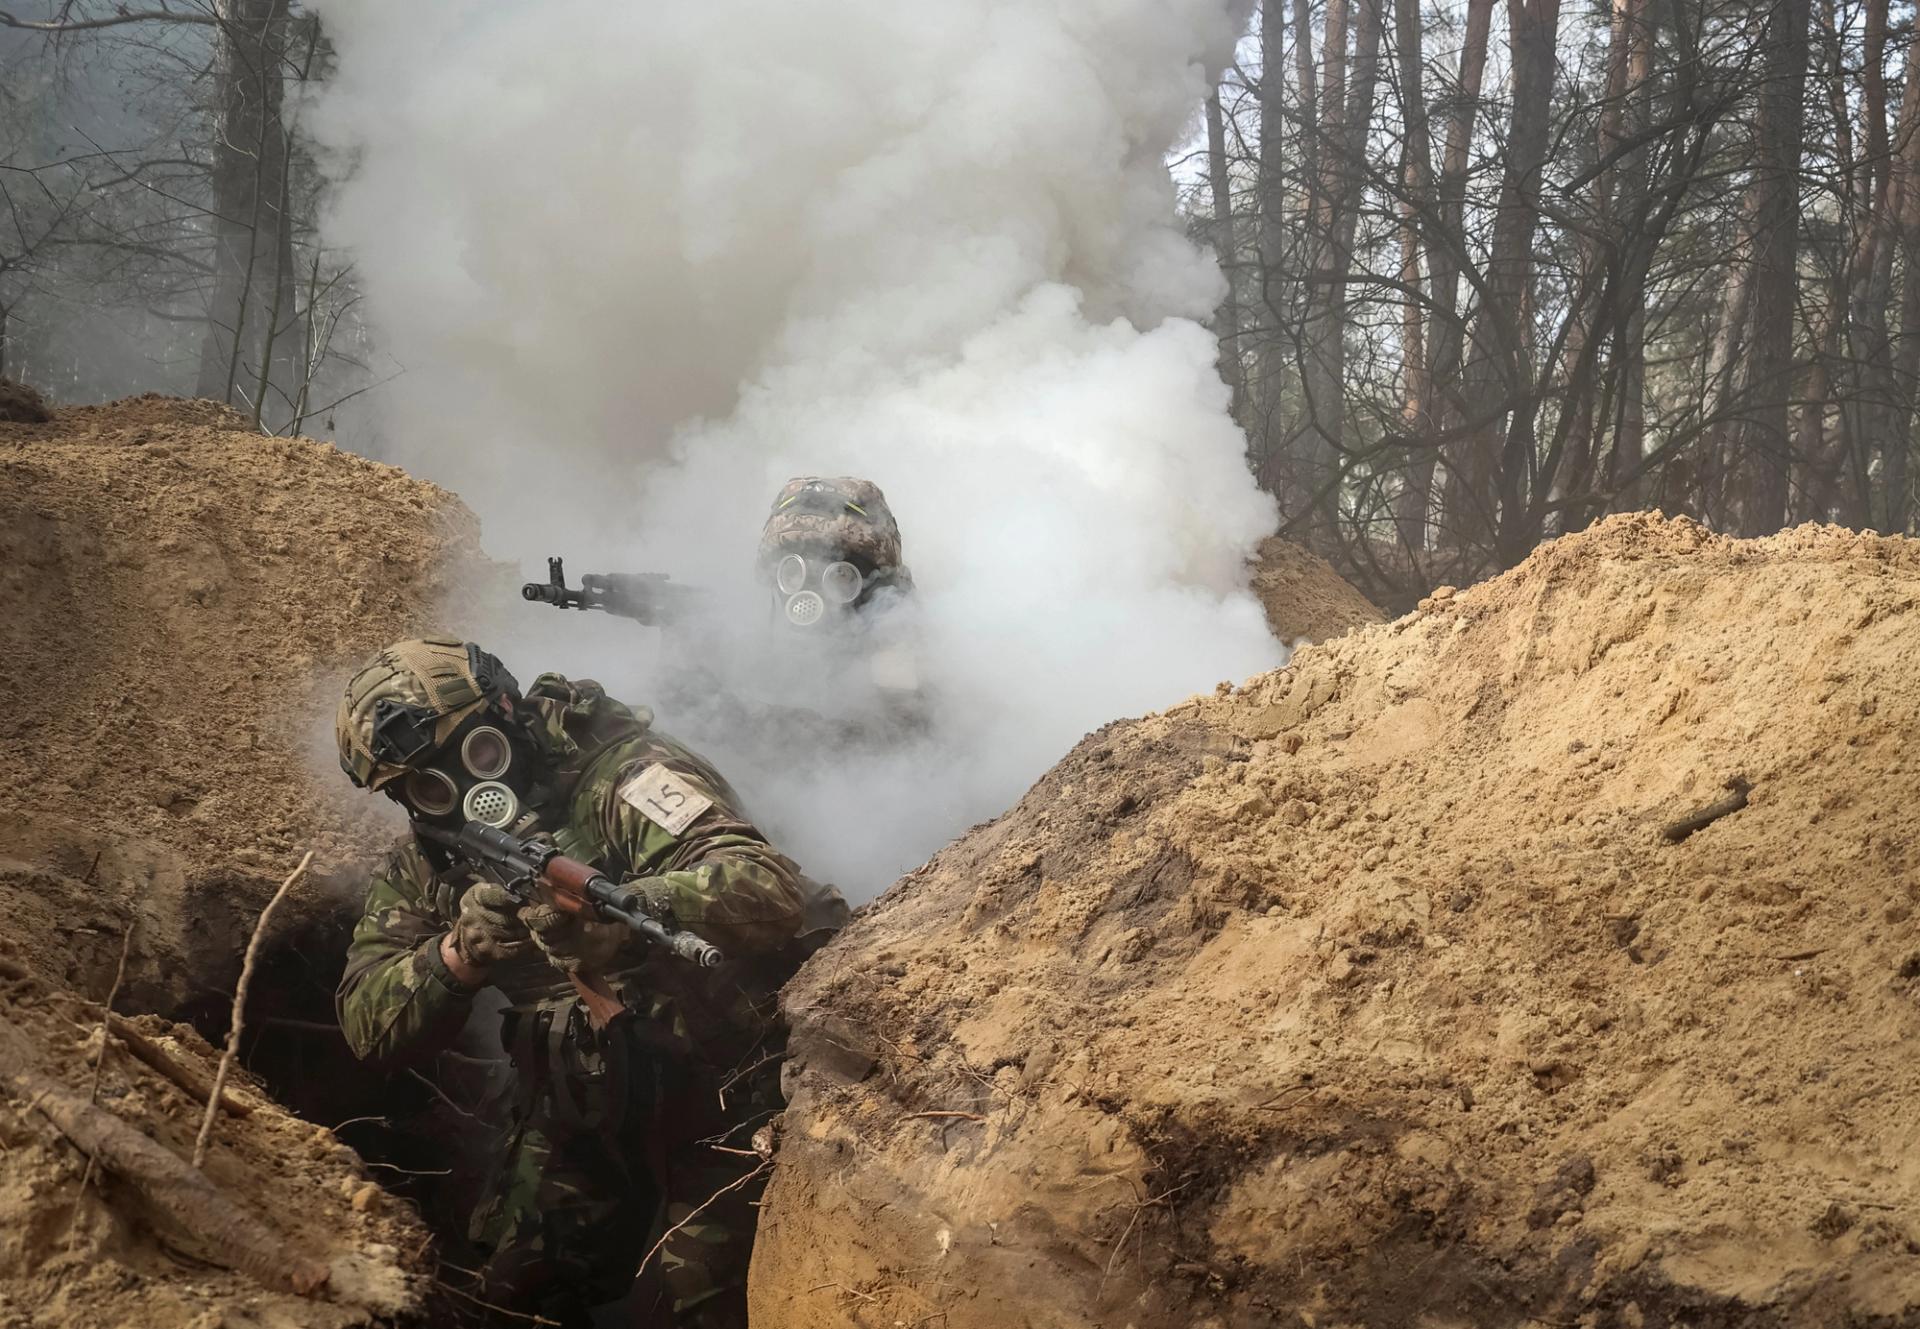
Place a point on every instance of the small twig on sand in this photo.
(100, 1057)
(850, 1291)
(1139, 1208)
(235, 1028)
(943, 1116)
(106, 1023)
(1677, 831)
(667, 1236)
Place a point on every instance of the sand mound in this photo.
(180, 599)
(1374, 994)
(23, 404)
(1305, 599)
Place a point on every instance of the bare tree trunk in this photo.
(1267, 390)
(1904, 186)
(1764, 448)
(1417, 414)
(252, 257)
(1225, 252)
(1602, 248)
(1346, 112)
(1316, 445)
(1499, 375)
(1446, 254)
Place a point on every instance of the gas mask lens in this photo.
(430, 792)
(840, 583)
(791, 574)
(486, 753)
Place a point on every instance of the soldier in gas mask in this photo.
(831, 550)
(615, 1121)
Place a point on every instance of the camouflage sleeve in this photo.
(718, 878)
(396, 999)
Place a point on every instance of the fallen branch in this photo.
(164, 1062)
(943, 1116)
(1677, 831)
(225, 1233)
(238, 1023)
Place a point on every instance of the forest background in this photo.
(1494, 271)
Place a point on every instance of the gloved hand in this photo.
(573, 942)
(489, 929)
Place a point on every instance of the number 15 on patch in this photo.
(664, 799)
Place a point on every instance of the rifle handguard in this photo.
(575, 887)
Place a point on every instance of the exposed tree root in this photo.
(222, 1232)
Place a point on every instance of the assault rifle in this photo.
(645, 597)
(572, 886)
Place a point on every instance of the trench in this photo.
(424, 1131)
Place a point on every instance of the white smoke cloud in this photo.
(644, 263)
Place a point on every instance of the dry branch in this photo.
(164, 1062)
(1677, 831)
(106, 1019)
(239, 1011)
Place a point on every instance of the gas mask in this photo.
(816, 587)
(482, 773)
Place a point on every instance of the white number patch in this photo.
(664, 799)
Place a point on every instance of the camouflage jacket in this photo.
(719, 878)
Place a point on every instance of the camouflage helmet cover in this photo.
(441, 679)
(843, 513)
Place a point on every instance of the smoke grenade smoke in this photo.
(645, 263)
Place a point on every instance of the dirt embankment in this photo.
(181, 598)
(1374, 994)
(1305, 599)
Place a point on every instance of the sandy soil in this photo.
(182, 599)
(1305, 599)
(1374, 994)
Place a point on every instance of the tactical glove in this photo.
(573, 942)
(489, 929)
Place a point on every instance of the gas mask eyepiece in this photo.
(486, 753)
(791, 575)
(430, 792)
(477, 776)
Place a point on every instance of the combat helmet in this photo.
(831, 543)
(404, 705)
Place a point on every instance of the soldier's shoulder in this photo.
(633, 757)
(407, 863)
